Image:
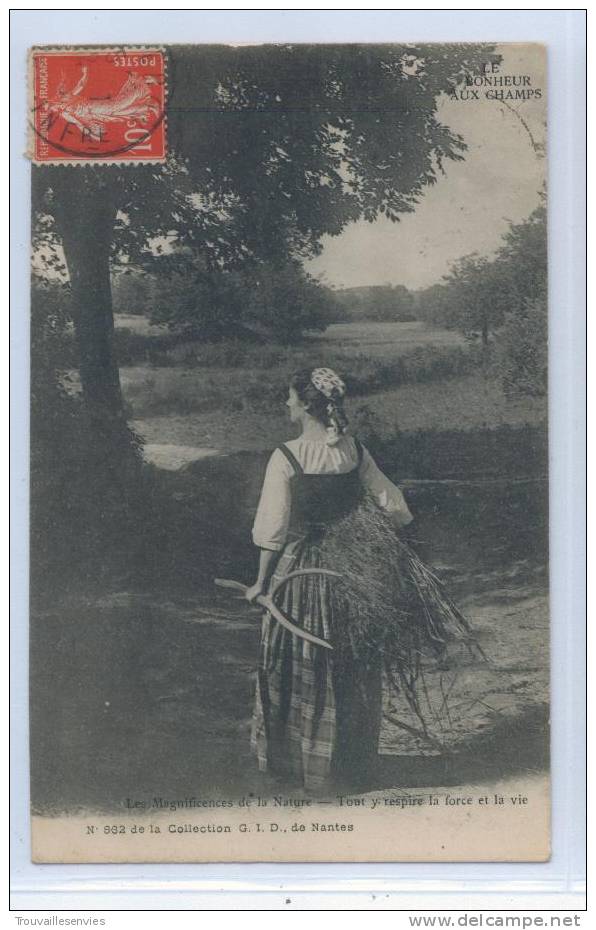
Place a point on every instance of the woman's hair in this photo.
(327, 408)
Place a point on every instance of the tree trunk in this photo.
(84, 208)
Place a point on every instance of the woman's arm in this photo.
(267, 563)
(388, 495)
(271, 521)
(272, 518)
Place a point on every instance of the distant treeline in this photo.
(381, 303)
(182, 299)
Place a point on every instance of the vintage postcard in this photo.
(289, 472)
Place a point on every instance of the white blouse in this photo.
(316, 457)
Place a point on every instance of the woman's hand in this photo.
(267, 561)
(253, 592)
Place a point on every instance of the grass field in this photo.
(465, 403)
(137, 342)
(379, 339)
(230, 395)
(383, 339)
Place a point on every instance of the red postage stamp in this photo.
(93, 105)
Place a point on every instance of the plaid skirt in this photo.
(317, 713)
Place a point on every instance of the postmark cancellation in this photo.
(97, 105)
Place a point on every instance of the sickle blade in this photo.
(302, 572)
(234, 585)
(265, 601)
(268, 604)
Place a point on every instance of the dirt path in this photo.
(155, 699)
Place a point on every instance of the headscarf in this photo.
(331, 386)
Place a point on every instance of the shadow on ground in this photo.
(145, 690)
(134, 699)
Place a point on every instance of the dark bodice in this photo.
(319, 501)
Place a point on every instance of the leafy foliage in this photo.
(196, 301)
(476, 298)
(133, 291)
(51, 314)
(262, 302)
(523, 350)
(523, 340)
(273, 147)
(286, 301)
(296, 141)
(505, 297)
(522, 259)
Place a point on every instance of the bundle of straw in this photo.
(389, 603)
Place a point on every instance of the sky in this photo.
(469, 208)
